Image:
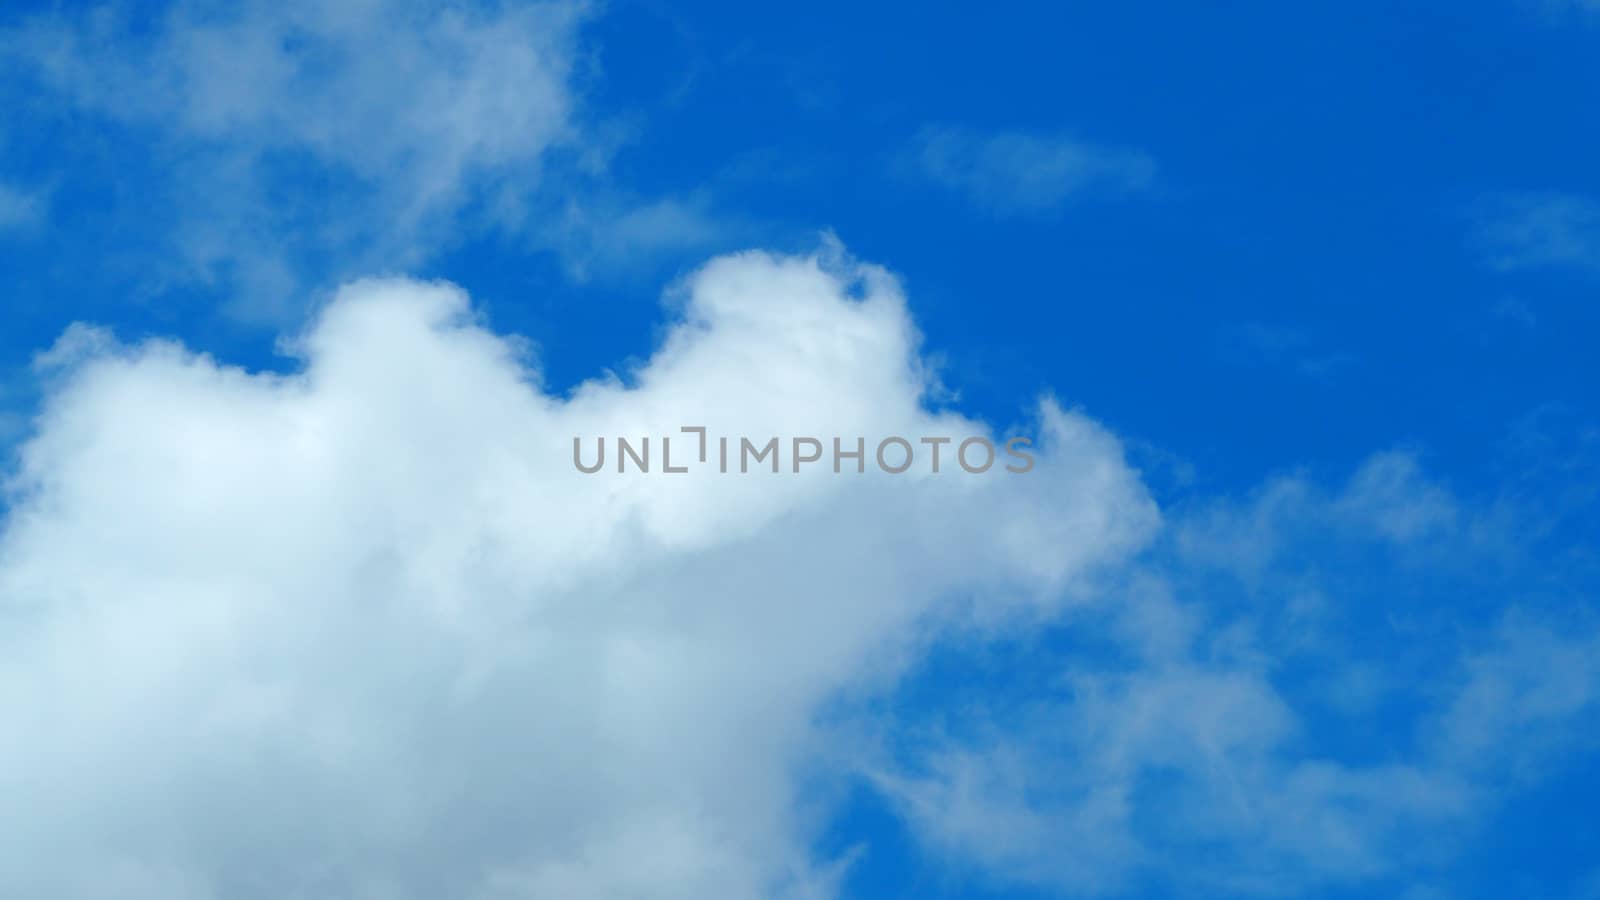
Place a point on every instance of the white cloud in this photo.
(1388, 498)
(1312, 716)
(1010, 173)
(299, 132)
(602, 236)
(363, 631)
(1186, 769)
(1530, 682)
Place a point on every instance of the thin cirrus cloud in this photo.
(293, 145)
(599, 234)
(395, 113)
(1186, 741)
(19, 209)
(1280, 346)
(1012, 173)
(1540, 230)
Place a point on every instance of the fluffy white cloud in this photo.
(364, 631)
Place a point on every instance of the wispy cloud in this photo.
(1280, 346)
(296, 139)
(18, 208)
(604, 234)
(1533, 680)
(1013, 173)
(1533, 230)
(1189, 735)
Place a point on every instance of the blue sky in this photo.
(1325, 276)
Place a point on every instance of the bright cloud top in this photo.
(363, 631)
